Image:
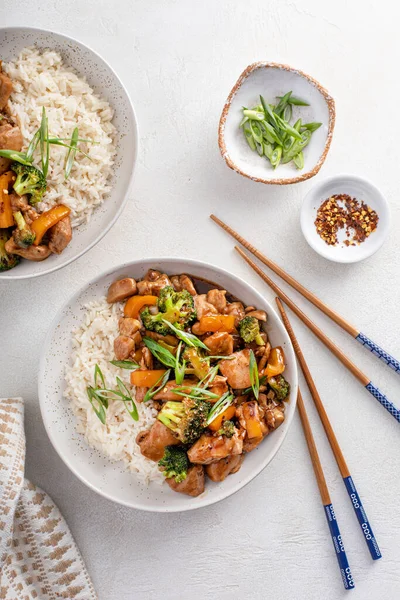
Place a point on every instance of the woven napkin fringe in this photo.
(38, 555)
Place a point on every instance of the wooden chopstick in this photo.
(345, 360)
(325, 497)
(389, 360)
(330, 434)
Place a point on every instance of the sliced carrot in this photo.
(135, 303)
(216, 323)
(225, 416)
(47, 220)
(6, 213)
(276, 362)
(146, 378)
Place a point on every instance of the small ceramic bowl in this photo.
(272, 80)
(356, 187)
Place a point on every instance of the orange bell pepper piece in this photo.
(135, 303)
(225, 416)
(252, 419)
(146, 378)
(48, 219)
(216, 323)
(276, 362)
(6, 213)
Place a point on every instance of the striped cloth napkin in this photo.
(38, 555)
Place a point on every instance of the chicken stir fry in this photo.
(207, 365)
(24, 232)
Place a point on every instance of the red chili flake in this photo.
(343, 212)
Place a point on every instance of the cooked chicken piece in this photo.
(119, 290)
(152, 275)
(128, 326)
(265, 357)
(60, 235)
(194, 483)
(251, 419)
(250, 444)
(275, 416)
(237, 310)
(203, 308)
(146, 361)
(153, 287)
(20, 203)
(249, 309)
(219, 385)
(236, 370)
(140, 393)
(10, 139)
(261, 315)
(166, 394)
(217, 299)
(152, 441)
(123, 346)
(6, 88)
(35, 253)
(210, 448)
(219, 344)
(183, 282)
(220, 470)
(168, 339)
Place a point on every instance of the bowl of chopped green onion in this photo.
(277, 124)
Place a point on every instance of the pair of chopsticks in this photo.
(341, 462)
(345, 360)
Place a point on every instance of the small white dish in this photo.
(94, 469)
(356, 187)
(106, 84)
(272, 80)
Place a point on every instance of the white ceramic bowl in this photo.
(109, 479)
(272, 80)
(358, 188)
(105, 83)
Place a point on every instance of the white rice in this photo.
(93, 344)
(41, 79)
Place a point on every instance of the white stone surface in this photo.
(179, 60)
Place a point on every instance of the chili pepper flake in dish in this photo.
(341, 211)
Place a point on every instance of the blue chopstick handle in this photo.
(362, 518)
(389, 360)
(380, 396)
(339, 547)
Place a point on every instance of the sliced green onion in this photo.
(288, 113)
(131, 365)
(98, 374)
(33, 145)
(254, 115)
(283, 103)
(179, 367)
(207, 358)
(262, 381)
(220, 406)
(19, 157)
(162, 354)
(276, 156)
(157, 387)
(296, 101)
(97, 404)
(194, 392)
(189, 338)
(127, 399)
(254, 379)
(268, 111)
(311, 126)
(256, 132)
(299, 160)
(71, 152)
(44, 143)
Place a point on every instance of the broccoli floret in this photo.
(175, 307)
(280, 386)
(175, 463)
(187, 419)
(23, 235)
(249, 329)
(7, 261)
(228, 429)
(29, 181)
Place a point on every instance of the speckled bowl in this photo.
(272, 80)
(105, 82)
(110, 479)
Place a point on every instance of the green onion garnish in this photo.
(162, 354)
(189, 338)
(131, 365)
(220, 406)
(254, 379)
(157, 387)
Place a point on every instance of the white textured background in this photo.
(179, 59)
